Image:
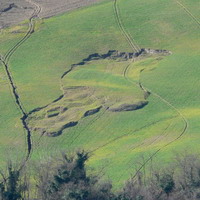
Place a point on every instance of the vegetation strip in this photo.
(5, 61)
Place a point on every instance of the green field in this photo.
(117, 140)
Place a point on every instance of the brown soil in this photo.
(14, 11)
(52, 7)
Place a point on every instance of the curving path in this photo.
(134, 46)
(130, 40)
(5, 61)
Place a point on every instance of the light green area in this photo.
(118, 139)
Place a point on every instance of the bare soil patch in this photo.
(14, 11)
(52, 7)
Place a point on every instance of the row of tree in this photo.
(66, 178)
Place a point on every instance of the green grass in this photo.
(122, 137)
(13, 139)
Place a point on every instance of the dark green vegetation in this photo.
(67, 178)
(169, 121)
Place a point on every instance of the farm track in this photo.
(185, 122)
(164, 134)
(147, 145)
(188, 12)
(138, 84)
(131, 42)
(88, 125)
(11, 51)
(128, 134)
(5, 61)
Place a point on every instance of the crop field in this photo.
(119, 79)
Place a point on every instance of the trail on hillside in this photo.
(188, 12)
(130, 133)
(5, 61)
(169, 104)
(185, 122)
(130, 40)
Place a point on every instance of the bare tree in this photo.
(14, 184)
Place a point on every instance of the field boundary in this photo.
(5, 61)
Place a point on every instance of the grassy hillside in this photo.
(12, 143)
(117, 140)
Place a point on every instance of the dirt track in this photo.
(133, 44)
(15, 11)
